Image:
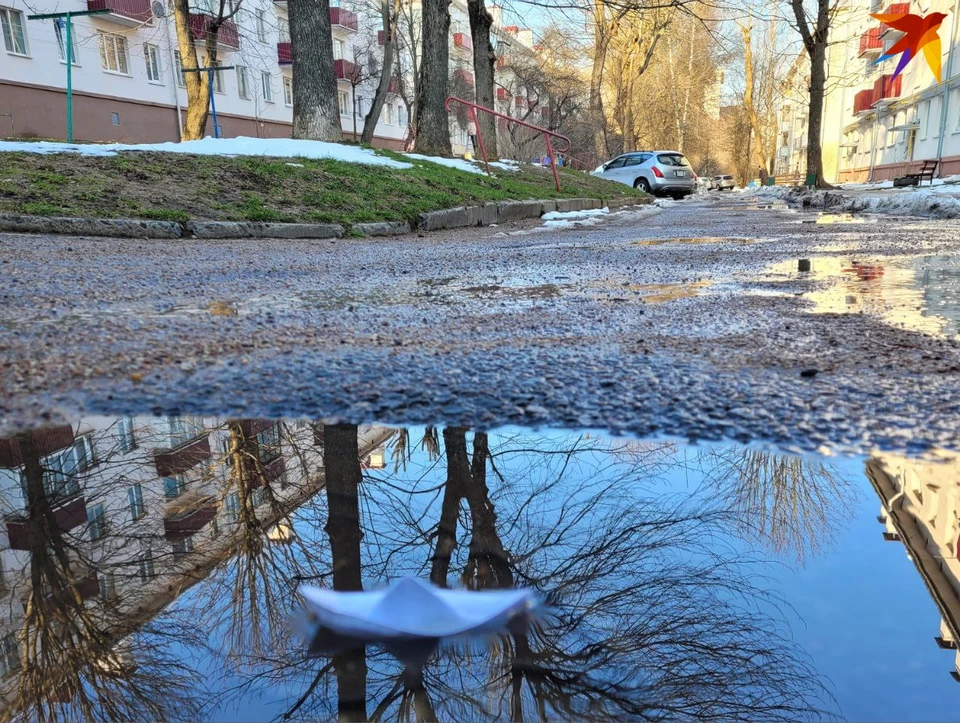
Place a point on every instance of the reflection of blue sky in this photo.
(862, 613)
(939, 277)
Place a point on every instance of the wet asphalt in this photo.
(689, 321)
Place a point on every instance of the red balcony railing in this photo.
(45, 441)
(343, 19)
(381, 38)
(272, 470)
(503, 94)
(887, 87)
(463, 76)
(870, 41)
(393, 86)
(227, 35)
(171, 462)
(520, 101)
(190, 519)
(894, 9)
(344, 69)
(284, 54)
(863, 101)
(69, 515)
(123, 12)
(462, 40)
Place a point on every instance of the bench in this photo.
(927, 170)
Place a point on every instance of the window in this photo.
(259, 496)
(339, 49)
(60, 29)
(232, 507)
(113, 53)
(61, 469)
(9, 655)
(214, 528)
(266, 85)
(182, 547)
(242, 85)
(185, 429)
(178, 66)
(344, 102)
(97, 522)
(115, 119)
(127, 440)
(935, 115)
(147, 569)
(288, 91)
(616, 163)
(174, 486)
(14, 36)
(218, 81)
(108, 586)
(268, 443)
(633, 161)
(388, 113)
(261, 26)
(151, 54)
(135, 498)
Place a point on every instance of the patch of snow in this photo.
(242, 146)
(458, 163)
(510, 166)
(936, 202)
(569, 215)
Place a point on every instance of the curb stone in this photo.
(232, 229)
(67, 226)
(566, 205)
(382, 228)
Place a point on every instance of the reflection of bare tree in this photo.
(787, 502)
(79, 662)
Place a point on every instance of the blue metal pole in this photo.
(69, 55)
(213, 104)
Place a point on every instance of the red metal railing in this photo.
(870, 40)
(472, 109)
(887, 86)
(863, 101)
(227, 35)
(284, 54)
(462, 40)
(343, 18)
(138, 10)
(344, 69)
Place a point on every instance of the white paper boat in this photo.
(413, 609)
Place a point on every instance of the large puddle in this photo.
(151, 568)
(917, 293)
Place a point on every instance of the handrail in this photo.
(547, 134)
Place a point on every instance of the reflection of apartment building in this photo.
(127, 84)
(143, 508)
(876, 127)
(919, 506)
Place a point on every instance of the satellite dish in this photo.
(158, 8)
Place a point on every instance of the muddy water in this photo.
(677, 580)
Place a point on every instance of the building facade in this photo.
(127, 84)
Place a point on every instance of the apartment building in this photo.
(876, 127)
(141, 509)
(920, 507)
(127, 84)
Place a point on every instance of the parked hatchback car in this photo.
(723, 183)
(665, 173)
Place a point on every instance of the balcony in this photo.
(863, 101)
(393, 86)
(520, 101)
(190, 514)
(123, 12)
(46, 441)
(381, 38)
(344, 69)
(284, 54)
(343, 19)
(463, 77)
(227, 37)
(171, 462)
(503, 94)
(871, 44)
(69, 515)
(894, 9)
(462, 41)
(886, 89)
(272, 470)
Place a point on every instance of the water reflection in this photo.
(150, 567)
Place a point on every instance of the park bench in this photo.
(927, 170)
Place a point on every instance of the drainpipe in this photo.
(946, 87)
(173, 75)
(873, 147)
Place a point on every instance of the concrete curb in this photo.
(461, 217)
(115, 227)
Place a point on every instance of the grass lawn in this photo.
(176, 187)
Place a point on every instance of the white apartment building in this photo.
(127, 84)
(877, 128)
(146, 507)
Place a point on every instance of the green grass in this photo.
(176, 187)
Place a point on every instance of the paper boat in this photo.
(413, 609)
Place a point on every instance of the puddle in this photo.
(827, 219)
(702, 240)
(918, 293)
(690, 580)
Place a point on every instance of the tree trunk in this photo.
(316, 110)
(458, 474)
(197, 83)
(433, 129)
(601, 42)
(818, 81)
(390, 18)
(483, 63)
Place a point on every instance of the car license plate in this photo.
(681, 174)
